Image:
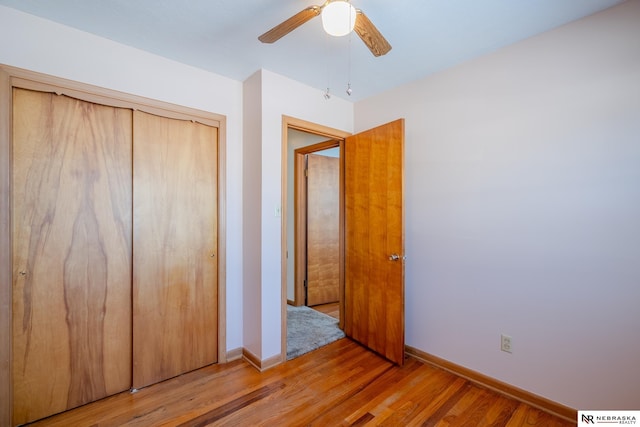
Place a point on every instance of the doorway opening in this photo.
(371, 235)
(316, 236)
(312, 223)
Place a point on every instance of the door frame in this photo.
(11, 77)
(289, 122)
(300, 213)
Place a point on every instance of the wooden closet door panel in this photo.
(71, 225)
(175, 243)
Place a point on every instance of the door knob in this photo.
(396, 257)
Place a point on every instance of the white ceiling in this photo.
(222, 35)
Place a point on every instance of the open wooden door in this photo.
(323, 229)
(374, 239)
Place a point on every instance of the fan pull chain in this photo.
(326, 94)
(349, 90)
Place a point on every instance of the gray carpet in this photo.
(308, 329)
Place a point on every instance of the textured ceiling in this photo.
(221, 35)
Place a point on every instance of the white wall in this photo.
(46, 47)
(251, 203)
(523, 211)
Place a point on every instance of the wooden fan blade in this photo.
(290, 24)
(370, 35)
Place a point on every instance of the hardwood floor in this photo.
(332, 309)
(341, 384)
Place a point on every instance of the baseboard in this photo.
(503, 388)
(261, 365)
(234, 354)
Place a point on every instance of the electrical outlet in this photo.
(505, 343)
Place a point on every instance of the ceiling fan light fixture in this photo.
(338, 18)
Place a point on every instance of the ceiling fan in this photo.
(348, 19)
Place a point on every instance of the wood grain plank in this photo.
(526, 415)
(233, 406)
(366, 401)
(341, 384)
(433, 410)
(332, 309)
(500, 411)
(298, 404)
(471, 409)
(71, 253)
(323, 229)
(415, 394)
(175, 245)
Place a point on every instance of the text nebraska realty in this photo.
(609, 419)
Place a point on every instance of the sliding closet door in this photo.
(71, 219)
(175, 245)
